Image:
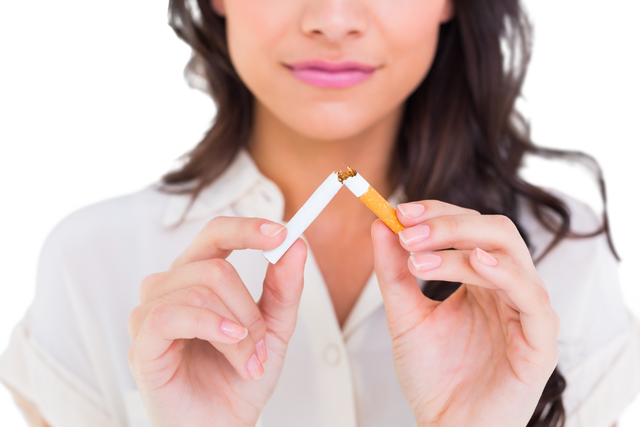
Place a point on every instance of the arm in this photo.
(29, 411)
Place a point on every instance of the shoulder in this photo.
(109, 220)
(583, 220)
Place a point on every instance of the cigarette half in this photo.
(306, 215)
(370, 197)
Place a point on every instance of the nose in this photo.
(334, 20)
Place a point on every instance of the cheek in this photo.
(410, 30)
(255, 29)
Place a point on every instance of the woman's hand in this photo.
(200, 343)
(483, 356)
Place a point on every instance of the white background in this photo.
(631, 416)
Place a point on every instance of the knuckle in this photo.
(199, 296)
(256, 323)
(516, 266)
(217, 268)
(249, 228)
(213, 230)
(159, 316)
(543, 299)
(214, 223)
(504, 223)
(513, 270)
(246, 223)
(450, 223)
(458, 260)
(437, 207)
(200, 320)
(147, 285)
(432, 205)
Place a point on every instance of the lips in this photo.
(331, 66)
(331, 75)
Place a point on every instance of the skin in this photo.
(304, 131)
(481, 358)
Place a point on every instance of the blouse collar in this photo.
(240, 180)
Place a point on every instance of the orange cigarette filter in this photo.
(370, 197)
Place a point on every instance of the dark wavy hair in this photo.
(461, 139)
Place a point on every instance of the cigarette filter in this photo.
(305, 216)
(370, 197)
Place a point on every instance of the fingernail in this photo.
(411, 210)
(255, 368)
(426, 262)
(413, 235)
(233, 330)
(261, 351)
(271, 229)
(485, 258)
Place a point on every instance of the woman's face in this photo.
(331, 69)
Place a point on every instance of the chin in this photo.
(331, 128)
(329, 135)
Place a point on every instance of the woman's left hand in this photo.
(483, 356)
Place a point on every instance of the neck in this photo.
(298, 163)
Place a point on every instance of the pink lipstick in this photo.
(331, 75)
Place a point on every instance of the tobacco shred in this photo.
(348, 174)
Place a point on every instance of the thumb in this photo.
(400, 290)
(281, 293)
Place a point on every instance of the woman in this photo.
(414, 96)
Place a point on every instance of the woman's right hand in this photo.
(203, 352)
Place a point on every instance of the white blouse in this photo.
(69, 354)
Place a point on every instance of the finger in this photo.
(451, 266)
(400, 290)
(221, 278)
(223, 234)
(281, 294)
(466, 232)
(197, 296)
(239, 352)
(414, 213)
(528, 294)
(169, 322)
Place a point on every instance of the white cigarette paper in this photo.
(306, 215)
(357, 184)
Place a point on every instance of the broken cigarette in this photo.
(321, 198)
(305, 216)
(370, 197)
